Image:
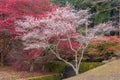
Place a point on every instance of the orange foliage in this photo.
(100, 47)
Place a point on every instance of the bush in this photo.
(48, 77)
(59, 67)
(104, 49)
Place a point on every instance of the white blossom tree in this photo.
(61, 23)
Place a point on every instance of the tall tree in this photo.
(59, 28)
(12, 10)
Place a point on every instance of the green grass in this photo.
(85, 66)
(48, 77)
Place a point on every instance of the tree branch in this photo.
(58, 56)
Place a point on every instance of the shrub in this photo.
(104, 48)
(59, 67)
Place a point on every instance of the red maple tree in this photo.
(12, 10)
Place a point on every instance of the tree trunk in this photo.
(77, 72)
(32, 65)
(43, 68)
(86, 29)
(1, 61)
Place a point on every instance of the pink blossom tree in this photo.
(57, 27)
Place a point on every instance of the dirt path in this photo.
(109, 71)
(8, 73)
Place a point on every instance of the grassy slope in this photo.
(109, 71)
